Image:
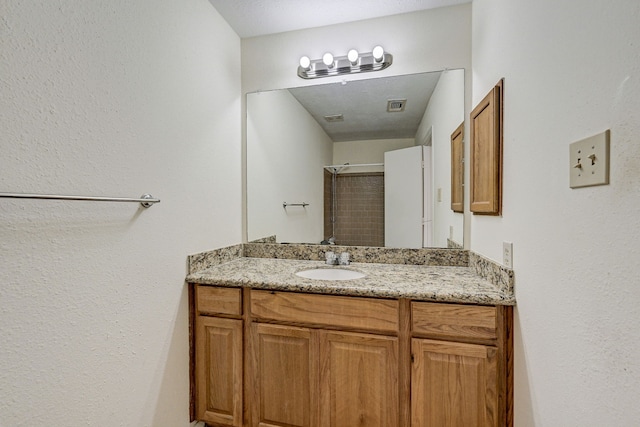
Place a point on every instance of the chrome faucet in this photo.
(332, 258)
(344, 258)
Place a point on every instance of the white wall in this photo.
(366, 152)
(571, 70)
(430, 40)
(286, 154)
(110, 98)
(444, 114)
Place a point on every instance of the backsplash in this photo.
(209, 259)
(452, 244)
(425, 256)
(495, 273)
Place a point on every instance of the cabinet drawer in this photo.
(326, 310)
(216, 300)
(453, 320)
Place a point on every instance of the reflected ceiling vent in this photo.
(334, 118)
(396, 105)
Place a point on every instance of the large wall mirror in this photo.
(365, 162)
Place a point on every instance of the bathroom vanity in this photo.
(405, 345)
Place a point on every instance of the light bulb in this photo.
(327, 58)
(353, 56)
(378, 53)
(305, 62)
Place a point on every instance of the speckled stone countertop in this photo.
(421, 282)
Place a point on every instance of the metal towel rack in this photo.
(146, 200)
(303, 204)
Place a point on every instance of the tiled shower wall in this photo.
(360, 209)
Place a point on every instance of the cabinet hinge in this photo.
(412, 358)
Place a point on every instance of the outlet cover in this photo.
(507, 254)
(589, 161)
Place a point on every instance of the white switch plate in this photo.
(589, 161)
(507, 254)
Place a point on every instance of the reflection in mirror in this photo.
(333, 147)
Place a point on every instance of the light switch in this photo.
(589, 161)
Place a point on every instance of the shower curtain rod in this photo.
(355, 165)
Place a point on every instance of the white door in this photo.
(427, 210)
(403, 198)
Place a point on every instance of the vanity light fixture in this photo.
(305, 63)
(353, 62)
(327, 59)
(378, 53)
(352, 56)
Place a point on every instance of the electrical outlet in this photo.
(507, 254)
(589, 161)
(451, 232)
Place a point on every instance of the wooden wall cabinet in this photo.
(486, 154)
(334, 361)
(457, 169)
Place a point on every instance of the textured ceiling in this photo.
(250, 18)
(363, 103)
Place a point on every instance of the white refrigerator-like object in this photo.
(408, 213)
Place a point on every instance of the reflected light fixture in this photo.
(353, 62)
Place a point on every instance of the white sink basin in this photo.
(330, 274)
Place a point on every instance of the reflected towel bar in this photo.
(303, 204)
(146, 200)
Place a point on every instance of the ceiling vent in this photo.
(396, 105)
(334, 118)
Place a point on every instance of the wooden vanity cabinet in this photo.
(461, 370)
(359, 380)
(284, 375)
(315, 374)
(334, 361)
(218, 355)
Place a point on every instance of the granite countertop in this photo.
(429, 283)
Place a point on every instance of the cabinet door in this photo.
(359, 380)
(453, 385)
(457, 169)
(285, 376)
(219, 370)
(486, 154)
